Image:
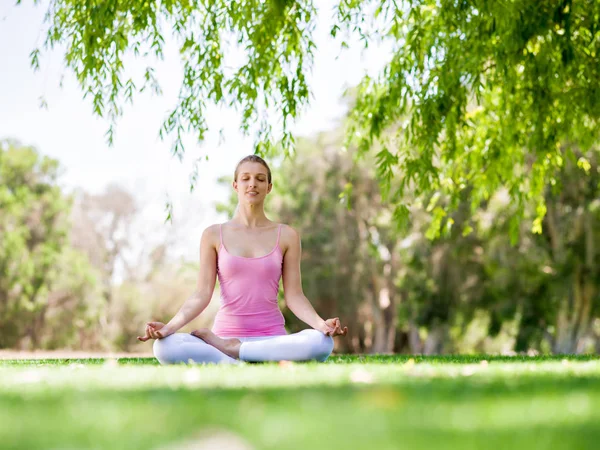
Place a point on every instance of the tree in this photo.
(549, 281)
(572, 237)
(489, 89)
(103, 230)
(476, 94)
(40, 275)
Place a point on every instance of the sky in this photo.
(138, 160)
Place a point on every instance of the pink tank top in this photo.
(249, 289)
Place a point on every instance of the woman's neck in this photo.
(251, 216)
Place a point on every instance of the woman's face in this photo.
(252, 183)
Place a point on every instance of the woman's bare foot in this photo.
(230, 347)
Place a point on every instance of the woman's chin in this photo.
(253, 200)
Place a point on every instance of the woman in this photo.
(249, 254)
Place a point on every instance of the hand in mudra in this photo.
(333, 327)
(154, 330)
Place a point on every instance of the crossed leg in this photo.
(185, 348)
(205, 347)
(305, 345)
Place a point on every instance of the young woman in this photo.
(249, 254)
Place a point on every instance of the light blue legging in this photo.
(303, 346)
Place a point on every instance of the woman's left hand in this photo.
(333, 327)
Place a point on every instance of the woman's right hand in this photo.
(152, 331)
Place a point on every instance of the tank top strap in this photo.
(221, 233)
(278, 235)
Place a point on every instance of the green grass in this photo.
(370, 402)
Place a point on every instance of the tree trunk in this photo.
(575, 309)
(385, 329)
(574, 317)
(384, 315)
(434, 344)
(415, 346)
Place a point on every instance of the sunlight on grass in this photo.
(383, 402)
(110, 375)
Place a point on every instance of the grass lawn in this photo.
(371, 402)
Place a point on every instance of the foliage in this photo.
(468, 290)
(417, 293)
(549, 281)
(252, 55)
(476, 94)
(481, 95)
(34, 255)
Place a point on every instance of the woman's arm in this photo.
(295, 299)
(200, 298)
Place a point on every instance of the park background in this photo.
(97, 239)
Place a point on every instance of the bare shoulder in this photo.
(212, 234)
(289, 231)
(290, 237)
(213, 229)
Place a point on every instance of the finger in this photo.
(345, 331)
(159, 334)
(145, 337)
